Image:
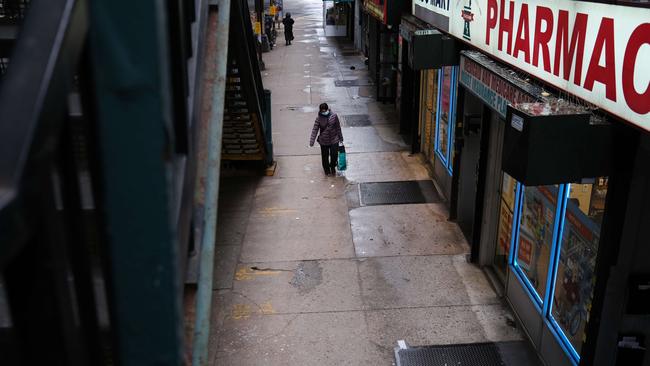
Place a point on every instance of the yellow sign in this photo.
(257, 28)
(273, 9)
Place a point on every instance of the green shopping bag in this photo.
(343, 162)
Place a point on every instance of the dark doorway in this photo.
(409, 101)
(472, 168)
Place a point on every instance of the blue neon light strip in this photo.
(558, 229)
(514, 234)
(446, 159)
(566, 346)
(545, 306)
(436, 143)
(517, 269)
(555, 260)
(452, 118)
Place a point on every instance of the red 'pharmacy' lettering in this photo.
(515, 34)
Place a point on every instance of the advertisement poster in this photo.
(507, 207)
(505, 230)
(536, 234)
(575, 276)
(444, 115)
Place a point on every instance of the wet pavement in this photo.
(305, 275)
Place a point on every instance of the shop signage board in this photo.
(375, 8)
(435, 12)
(598, 52)
(388, 12)
(491, 88)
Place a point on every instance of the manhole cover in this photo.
(478, 354)
(395, 193)
(355, 120)
(349, 83)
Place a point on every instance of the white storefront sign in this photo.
(598, 52)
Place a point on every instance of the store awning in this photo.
(554, 142)
(431, 49)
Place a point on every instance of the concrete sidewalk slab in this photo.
(440, 325)
(289, 234)
(417, 229)
(324, 339)
(416, 281)
(384, 167)
(300, 286)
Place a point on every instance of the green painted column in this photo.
(133, 109)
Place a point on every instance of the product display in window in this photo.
(506, 215)
(444, 112)
(536, 234)
(575, 274)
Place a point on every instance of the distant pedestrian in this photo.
(328, 129)
(288, 28)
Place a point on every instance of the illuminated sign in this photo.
(597, 52)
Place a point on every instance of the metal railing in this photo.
(96, 180)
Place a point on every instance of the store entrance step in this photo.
(395, 193)
(515, 353)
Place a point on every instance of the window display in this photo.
(429, 93)
(536, 235)
(445, 99)
(579, 246)
(506, 215)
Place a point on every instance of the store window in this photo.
(445, 115)
(428, 104)
(506, 216)
(535, 241)
(575, 269)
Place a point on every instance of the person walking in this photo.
(328, 129)
(288, 28)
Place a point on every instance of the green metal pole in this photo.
(129, 44)
(209, 219)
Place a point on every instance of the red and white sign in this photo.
(598, 52)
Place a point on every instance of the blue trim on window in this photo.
(451, 124)
(451, 116)
(514, 234)
(545, 307)
(530, 290)
(556, 248)
(436, 144)
(556, 329)
(565, 344)
(517, 269)
(514, 248)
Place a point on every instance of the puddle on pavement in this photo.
(307, 276)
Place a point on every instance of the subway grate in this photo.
(395, 193)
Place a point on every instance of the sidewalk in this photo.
(306, 276)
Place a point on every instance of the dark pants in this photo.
(330, 155)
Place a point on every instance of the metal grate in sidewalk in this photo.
(480, 354)
(517, 353)
(355, 120)
(349, 83)
(395, 193)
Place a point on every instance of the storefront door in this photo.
(468, 178)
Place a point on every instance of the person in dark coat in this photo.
(288, 28)
(327, 123)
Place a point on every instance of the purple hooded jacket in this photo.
(330, 130)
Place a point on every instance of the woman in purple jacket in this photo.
(327, 123)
